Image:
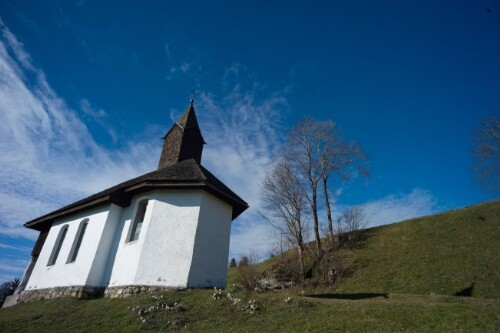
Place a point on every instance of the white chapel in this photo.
(168, 228)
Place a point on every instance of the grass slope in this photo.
(439, 254)
(395, 313)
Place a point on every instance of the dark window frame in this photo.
(77, 243)
(58, 245)
(138, 221)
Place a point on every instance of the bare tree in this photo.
(303, 154)
(352, 221)
(317, 151)
(487, 153)
(284, 198)
(338, 158)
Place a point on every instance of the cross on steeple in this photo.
(193, 95)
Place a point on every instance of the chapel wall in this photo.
(211, 250)
(106, 249)
(123, 261)
(169, 241)
(63, 273)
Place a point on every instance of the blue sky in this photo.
(88, 88)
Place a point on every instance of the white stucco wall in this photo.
(184, 241)
(105, 252)
(69, 274)
(163, 252)
(124, 259)
(211, 250)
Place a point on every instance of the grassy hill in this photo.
(404, 276)
(440, 254)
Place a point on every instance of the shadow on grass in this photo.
(467, 292)
(354, 296)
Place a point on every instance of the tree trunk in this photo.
(300, 250)
(316, 223)
(328, 210)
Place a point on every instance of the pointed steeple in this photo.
(183, 141)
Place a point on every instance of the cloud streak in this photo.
(180, 67)
(48, 156)
(15, 266)
(243, 133)
(14, 247)
(400, 207)
(257, 235)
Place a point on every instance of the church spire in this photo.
(183, 141)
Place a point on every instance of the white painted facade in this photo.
(78, 272)
(184, 242)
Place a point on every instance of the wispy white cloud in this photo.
(251, 237)
(242, 135)
(16, 266)
(14, 247)
(253, 234)
(400, 207)
(168, 51)
(49, 157)
(181, 63)
(242, 132)
(47, 154)
(90, 111)
(183, 67)
(100, 117)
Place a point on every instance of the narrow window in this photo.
(78, 241)
(138, 220)
(57, 246)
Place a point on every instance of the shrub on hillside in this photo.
(248, 275)
(244, 261)
(286, 268)
(351, 223)
(332, 267)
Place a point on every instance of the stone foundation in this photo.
(127, 291)
(82, 292)
(79, 292)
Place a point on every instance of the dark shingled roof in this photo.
(188, 118)
(183, 141)
(183, 175)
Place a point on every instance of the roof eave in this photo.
(123, 198)
(39, 223)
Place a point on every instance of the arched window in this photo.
(57, 246)
(78, 241)
(138, 220)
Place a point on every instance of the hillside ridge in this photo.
(407, 276)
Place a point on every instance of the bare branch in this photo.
(283, 198)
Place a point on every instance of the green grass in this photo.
(418, 263)
(440, 254)
(396, 313)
